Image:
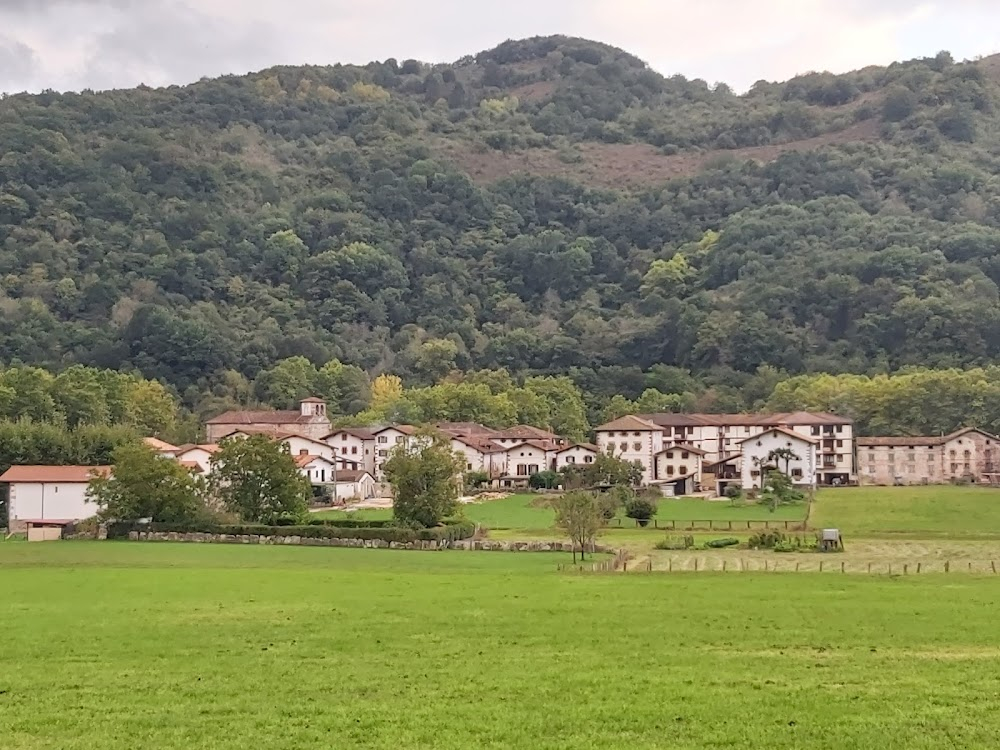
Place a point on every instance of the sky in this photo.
(100, 44)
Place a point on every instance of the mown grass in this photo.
(941, 511)
(117, 645)
(530, 512)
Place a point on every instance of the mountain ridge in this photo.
(425, 219)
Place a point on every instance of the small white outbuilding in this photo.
(49, 494)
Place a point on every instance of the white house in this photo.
(355, 485)
(525, 459)
(763, 452)
(197, 457)
(161, 447)
(677, 469)
(385, 439)
(50, 493)
(480, 454)
(354, 443)
(632, 439)
(575, 455)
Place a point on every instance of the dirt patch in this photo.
(632, 164)
(535, 92)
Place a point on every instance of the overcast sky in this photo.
(74, 44)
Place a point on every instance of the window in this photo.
(815, 430)
(637, 446)
(624, 447)
(670, 454)
(952, 454)
(354, 450)
(911, 457)
(892, 458)
(399, 438)
(954, 468)
(840, 443)
(871, 469)
(588, 459)
(383, 439)
(637, 434)
(522, 470)
(967, 468)
(839, 429)
(871, 458)
(968, 454)
(670, 470)
(683, 470)
(571, 459)
(685, 454)
(797, 473)
(343, 436)
(746, 430)
(468, 467)
(755, 473)
(383, 454)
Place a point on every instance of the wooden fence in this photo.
(618, 562)
(710, 525)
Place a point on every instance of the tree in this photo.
(579, 514)
(424, 473)
(146, 485)
(779, 490)
(783, 454)
(899, 104)
(544, 480)
(606, 469)
(640, 509)
(257, 479)
(386, 390)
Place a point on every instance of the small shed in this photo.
(46, 530)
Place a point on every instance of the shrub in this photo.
(451, 532)
(544, 480)
(767, 539)
(476, 479)
(676, 543)
(720, 543)
(350, 523)
(640, 508)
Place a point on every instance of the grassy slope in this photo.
(120, 646)
(523, 512)
(935, 511)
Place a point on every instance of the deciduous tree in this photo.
(257, 479)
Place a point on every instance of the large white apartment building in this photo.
(721, 437)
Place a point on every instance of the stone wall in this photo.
(486, 545)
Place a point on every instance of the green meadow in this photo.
(118, 645)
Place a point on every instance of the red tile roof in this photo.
(783, 431)
(525, 432)
(921, 440)
(68, 474)
(587, 446)
(350, 476)
(159, 445)
(262, 417)
(630, 423)
(363, 433)
(748, 420)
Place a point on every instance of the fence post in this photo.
(748, 525)
(786, 525)
(869, 567)
(919, 566)
(695, 563)
(723, 566)
(670, 569)
(673, 525)
(650, 561)
(947, 566)
(796, 566)
(730, 525)
(767, 524)
(970, 566)
(820, 566)
(993, 565)
(906, 569)
(842, 567)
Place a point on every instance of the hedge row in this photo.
(349, 523)
(451, 532)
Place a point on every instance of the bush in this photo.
(544, 480)
(452, 531)
(676, 543)
(767, 539)
(640, 508)
(350, 523)
(720, 543)
(476, 479)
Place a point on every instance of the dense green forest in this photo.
(201, 235)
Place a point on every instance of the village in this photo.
(680, 455)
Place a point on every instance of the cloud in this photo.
(19, 63)
(72, 44)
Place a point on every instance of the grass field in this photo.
(528, 512)
(917, 512)
(117, 645)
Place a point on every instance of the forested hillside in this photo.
(552, 206)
